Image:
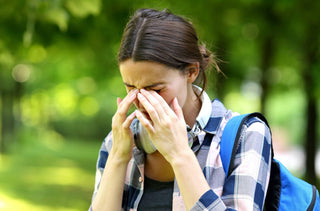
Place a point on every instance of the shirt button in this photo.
(140, 179)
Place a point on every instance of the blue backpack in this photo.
(285, 192)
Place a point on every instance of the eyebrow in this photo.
(146, 87)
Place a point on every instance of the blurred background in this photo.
(59, 81)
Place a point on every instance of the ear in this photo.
(192, 71)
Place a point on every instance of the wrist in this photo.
(183, 158)
(190, 177)
(119, 158)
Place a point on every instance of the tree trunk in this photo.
(311, 140)
(311, 110)
(310, 49)
(267, 56)
(7, 119)
(267, 49)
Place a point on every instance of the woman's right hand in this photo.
(121, 132)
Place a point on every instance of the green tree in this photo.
(310, 71)
(27, 29)
(58, 68)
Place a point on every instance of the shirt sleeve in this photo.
(101, 162)
(246, 187)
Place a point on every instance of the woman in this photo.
(159, 61)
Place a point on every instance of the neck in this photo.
(192, 109)
(158, 168)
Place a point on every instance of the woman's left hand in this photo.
(167, 128)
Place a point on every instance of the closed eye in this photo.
(157, 90)
(150, 87)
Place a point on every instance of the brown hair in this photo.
(163, 37)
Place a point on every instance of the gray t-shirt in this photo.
(156, 196)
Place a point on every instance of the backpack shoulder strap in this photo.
(230, 138)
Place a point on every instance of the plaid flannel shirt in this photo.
(244, 189)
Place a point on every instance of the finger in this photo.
(124, 105)
(155, 100)
(144, 121)
(165, 106)
(153, 113)
(160, 100)
(177, 109)
(129, 119)
(131, 96)
(118, 100)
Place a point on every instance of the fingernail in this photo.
(176, 101)
(133, 95)
(134, 91)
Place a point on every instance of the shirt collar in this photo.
(203, 116)
(210, 115)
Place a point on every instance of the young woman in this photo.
(160, 59)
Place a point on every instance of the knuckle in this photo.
(114, 119)
(120, 112)
(173, 118)
(166, 122)
(152, 112)
(124, 125)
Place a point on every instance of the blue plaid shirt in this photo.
(244, 189)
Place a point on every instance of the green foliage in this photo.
(46, 172)
(83, 8)
(63, 54)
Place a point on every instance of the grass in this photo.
(48, 175)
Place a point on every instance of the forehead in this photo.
(145, 73)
